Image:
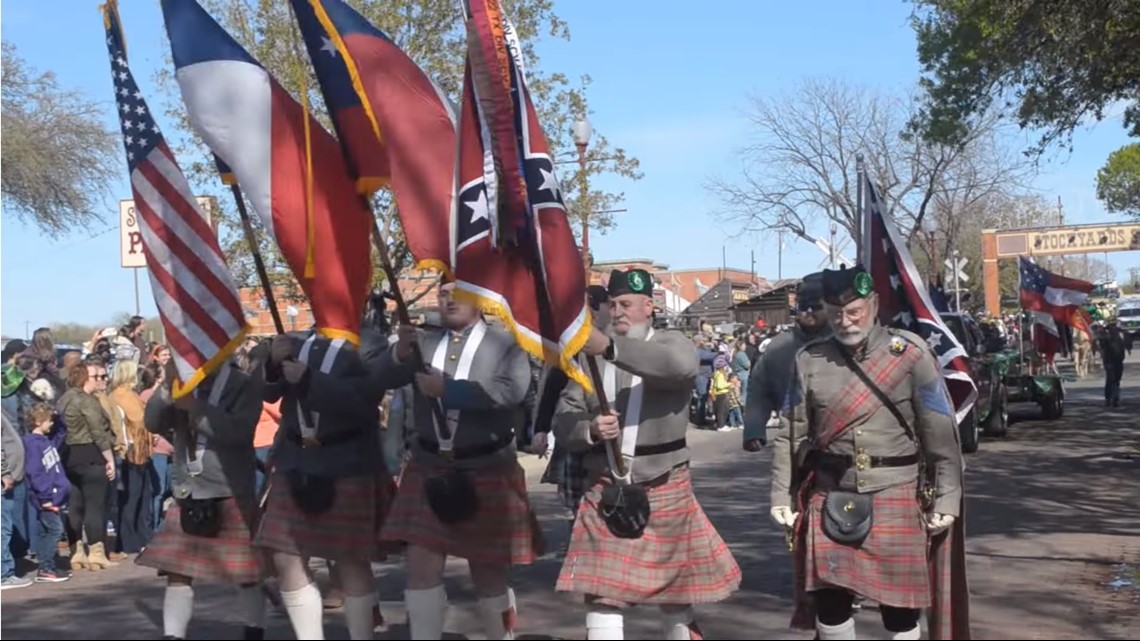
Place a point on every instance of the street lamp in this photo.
(582, 132)
(930, 226)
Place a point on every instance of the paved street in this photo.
(1052, 517)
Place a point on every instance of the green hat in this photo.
(843, 285)
(633, 281)
(12, 377)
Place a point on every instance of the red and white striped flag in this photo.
(192, 286)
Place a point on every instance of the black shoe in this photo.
(253, 634)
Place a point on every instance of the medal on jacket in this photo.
(897, 346)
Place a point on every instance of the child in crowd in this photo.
(48, 487)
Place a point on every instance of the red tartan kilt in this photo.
(504, 530)
(349, 530)
(679, 559)
(889, 567)
(228, 557)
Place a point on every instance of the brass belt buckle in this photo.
(862, 461)
(448, 455)
(310, 441)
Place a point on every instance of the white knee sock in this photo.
(358, 616)
(914, 633)
(305, 612)
(498, 614)
(605, 624)
(426, 610)
(252, 602)
(177, 607)
(676, 621)
(842, 632)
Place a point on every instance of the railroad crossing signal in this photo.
(956, 270)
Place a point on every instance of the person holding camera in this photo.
(641, 537)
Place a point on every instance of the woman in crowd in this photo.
(90, 465)
(134, 525)
(150, 379)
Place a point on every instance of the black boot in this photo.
(253, 634)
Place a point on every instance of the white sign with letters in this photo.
(131, 253)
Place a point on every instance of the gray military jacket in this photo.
(339, 399)
(769, 381)
(213, 444)
(829, 397)
(487, 380)
(667, 365)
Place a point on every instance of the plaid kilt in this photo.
(680, 559)
(889, 567)
(568, 471)
(349, 530)
(228, 557)
(504, 530)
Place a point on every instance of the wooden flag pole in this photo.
(258, 263)
(614, 445)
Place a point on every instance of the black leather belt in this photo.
(844, 461)
(649, 450)
(458, 454)
(660, 448)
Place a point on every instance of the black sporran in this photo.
(313, 494)
(200, 517)
(847, 516)
(625, 510)
(451, 496)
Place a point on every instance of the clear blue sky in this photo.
(669, 86)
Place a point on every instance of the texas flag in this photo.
(290, 168)
(390, 117)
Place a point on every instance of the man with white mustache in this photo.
(640, 538)
(866, 421)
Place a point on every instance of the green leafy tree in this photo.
(1051, 63)
(58, 155)
(1118, 182)
(431, 33)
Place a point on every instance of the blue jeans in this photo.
(24, 523)
(160, 481)
(47, 540)
(735, 418)
(6, 526)
(262, 454)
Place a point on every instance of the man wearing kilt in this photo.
(463, 492)
(641, 537)
(330, 489)
(866, 422)
(206, 533)
(566, 469)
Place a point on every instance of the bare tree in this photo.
(801, 166)
(58, 157)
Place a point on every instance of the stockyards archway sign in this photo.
(1050, 241)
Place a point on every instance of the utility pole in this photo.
(780, 257)
(753, 281)
(831, 247)
(1061, 222)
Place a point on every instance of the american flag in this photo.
(192, 286)
(905, 303)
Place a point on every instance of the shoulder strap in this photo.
(879, 394)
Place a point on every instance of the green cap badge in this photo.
(863, 284)
(636, 282)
